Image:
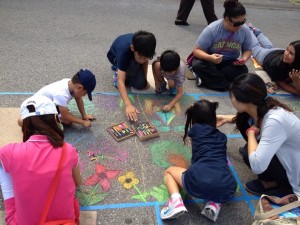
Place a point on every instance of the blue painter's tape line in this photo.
(17, 93)
(244, 193)
(234, 136)
(284, 95)
(157, 212)
(224, 94)
(106, 93)
(118, 206)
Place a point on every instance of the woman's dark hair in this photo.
(296, 63)
(250, 88)
(203, 112)
(169, 61)
(233, 9)
(43, 125)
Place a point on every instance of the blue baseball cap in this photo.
(88, 80)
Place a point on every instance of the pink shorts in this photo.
(10, 211)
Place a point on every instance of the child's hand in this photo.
(131, 113)
(89, 117)
(167, 108)
(87, 123)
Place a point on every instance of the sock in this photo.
(175, 196)
(6, 184)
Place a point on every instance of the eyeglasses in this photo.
(237, 24)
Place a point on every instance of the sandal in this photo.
(162, 88)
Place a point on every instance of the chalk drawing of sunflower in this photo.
(128, 180)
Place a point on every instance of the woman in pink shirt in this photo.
(27, 169)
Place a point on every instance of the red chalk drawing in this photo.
(102, 177)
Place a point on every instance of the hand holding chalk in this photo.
(89, 117)
(131, 113)
(167, 108)
(86, 123)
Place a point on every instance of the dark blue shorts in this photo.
(135, 76)
(219, 198)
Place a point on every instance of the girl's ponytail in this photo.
(188, 122)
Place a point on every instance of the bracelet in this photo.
(251, 128)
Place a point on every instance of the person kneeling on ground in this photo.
(271, 131)
(169, 66)
(61, 92)
(129, 55)
(27, 169)
(209, 176)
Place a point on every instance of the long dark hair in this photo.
(233, 9)
(203, 112)
(250, 88)
(296, 63)
(43, 125)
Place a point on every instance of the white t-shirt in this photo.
(280, 135)
(58, 92)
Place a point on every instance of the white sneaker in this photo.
(211, 210)
(198, 81)
(173, 209)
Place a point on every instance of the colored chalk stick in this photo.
(121, 131)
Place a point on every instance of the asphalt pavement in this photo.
(44, 41)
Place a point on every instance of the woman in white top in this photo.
(272, 133)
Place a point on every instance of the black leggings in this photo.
(217, 76)
(187, 5)
(274, 172)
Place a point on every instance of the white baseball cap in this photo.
(42, 106)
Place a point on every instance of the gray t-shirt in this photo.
(214, 39)
(179, 76)
(280, 135)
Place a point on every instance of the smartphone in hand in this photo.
(239, 62)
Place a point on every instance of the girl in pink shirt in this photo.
(27, 169)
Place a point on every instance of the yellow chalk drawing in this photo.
(128, 180)
(148, 107)
(177, 109)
